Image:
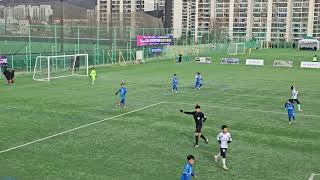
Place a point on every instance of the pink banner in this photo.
(144, 40)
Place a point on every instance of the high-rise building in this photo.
(26, 12)
(119, 13)
(152, 5)
(265, 20)
(191, 17)
(159, 4)
(268, 20)
(92, 17)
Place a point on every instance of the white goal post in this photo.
(237, 48)
(47, 68)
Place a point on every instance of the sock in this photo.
(299, 107)
(197, 139)
(204, 138)
(223, 161)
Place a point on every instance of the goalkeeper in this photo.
(93, 75)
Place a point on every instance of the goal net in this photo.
(237, 48)
(47, 68)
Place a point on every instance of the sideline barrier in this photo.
(312, 65)
(204, 60)
(255, 62)
(230, 61)
(283, 63)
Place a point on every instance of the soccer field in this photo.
(69, 129)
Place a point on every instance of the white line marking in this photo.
(245, 109)
(313, 175)
(77, 128)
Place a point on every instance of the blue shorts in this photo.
(291, 115)
(175, 87)
(185, 177)
(123, 101)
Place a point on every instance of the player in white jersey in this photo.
(294, 96)
(223, 138)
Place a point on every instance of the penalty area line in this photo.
(77, 128)
(246, 109)
(313, 175)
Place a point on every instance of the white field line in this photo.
(313, 175)
(77, 128)
(246, 109)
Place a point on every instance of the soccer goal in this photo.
(47, 68)
(237, 48)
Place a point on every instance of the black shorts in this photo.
(296, 100)
(223, 152)
(198, 130)
(8, 78)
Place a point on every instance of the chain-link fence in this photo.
(24, 37)
(104, 45)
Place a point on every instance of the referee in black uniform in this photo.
(199, 119)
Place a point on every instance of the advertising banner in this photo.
(283, 63)
(155, 50)
(143, 40)
(3, 61)
(204, 60)
(230, 61)
(255, 62)
(313, 65)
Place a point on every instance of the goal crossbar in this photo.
(48, 62)
(235, 48)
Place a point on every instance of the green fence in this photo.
(107, 45)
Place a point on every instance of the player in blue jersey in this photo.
(175, 83)
(289, 105)
(122, 91)
(196, 80)
(198, 83)
(187, 170)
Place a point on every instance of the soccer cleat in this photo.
(215, 158)
(225, 168)
(196, 146)
(207, 141)
(290, 122)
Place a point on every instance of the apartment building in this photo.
(24, 12)
(119, 13)
(191, 17)
(268, 20)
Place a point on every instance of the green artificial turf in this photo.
(152, 143)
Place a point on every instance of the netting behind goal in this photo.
(237, 48)
(47, 68)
